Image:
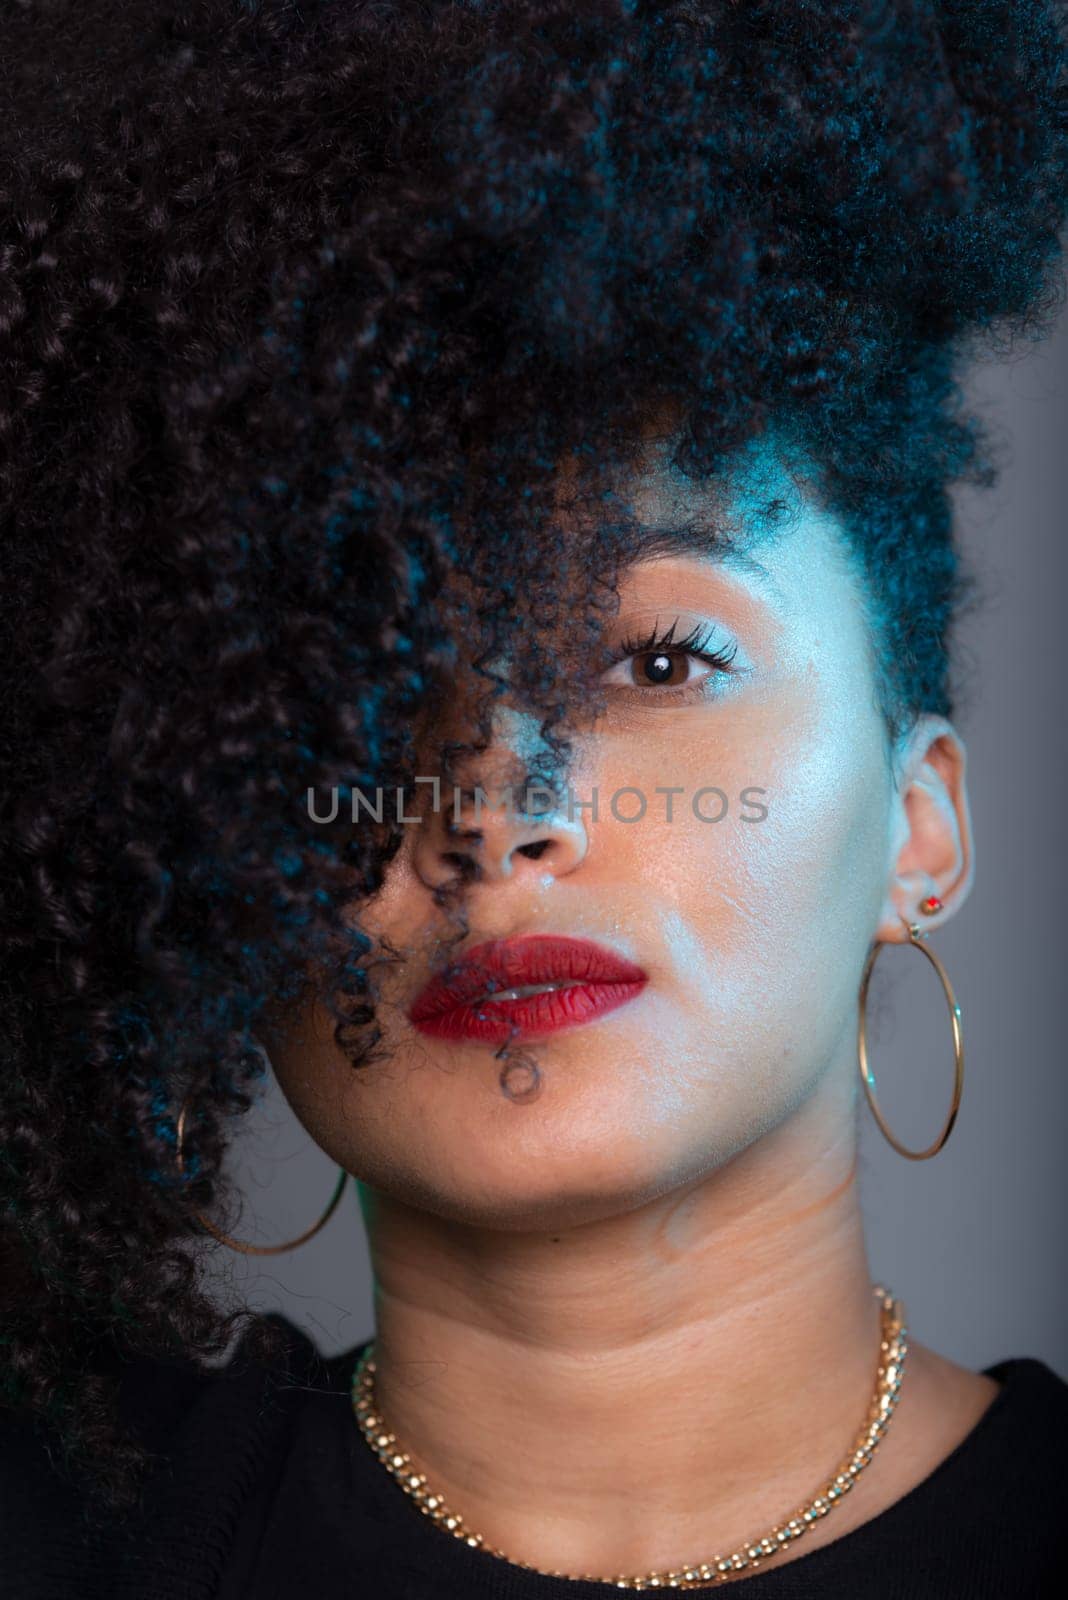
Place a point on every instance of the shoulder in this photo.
(162, 1399)
(209, 1432)
(1003, 1482)
(994, 1418)
(1031, 1396)
(1013, 1478)
(1009, 1393)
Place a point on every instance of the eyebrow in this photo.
(706, 540)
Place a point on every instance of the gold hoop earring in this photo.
(260, 1249)
(867, 1077)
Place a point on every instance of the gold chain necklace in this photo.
(892, 1350)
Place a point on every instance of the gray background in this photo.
(973, 1239)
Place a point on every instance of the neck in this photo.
(647, 1389)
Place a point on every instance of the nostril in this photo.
(533, 850)
(467, 869)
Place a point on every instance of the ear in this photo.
(931, 848)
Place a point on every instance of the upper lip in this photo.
(524, 959)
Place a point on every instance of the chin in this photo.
(545, 1185)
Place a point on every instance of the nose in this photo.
(514, 827)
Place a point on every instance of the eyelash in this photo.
(694, 644)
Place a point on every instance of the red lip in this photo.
(600, 981)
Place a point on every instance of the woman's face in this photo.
(752, 929)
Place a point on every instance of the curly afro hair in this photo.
(301, 308)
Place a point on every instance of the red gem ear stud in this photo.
(930, 905)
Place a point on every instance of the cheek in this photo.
(771, 918)
(306, 1065)
(813, 873)
(817, 754)
(373, 1120)
(806, 754)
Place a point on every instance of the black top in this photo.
(267, 1490)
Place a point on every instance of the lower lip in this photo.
(498, 1021)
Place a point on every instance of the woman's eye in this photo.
(649, 670)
